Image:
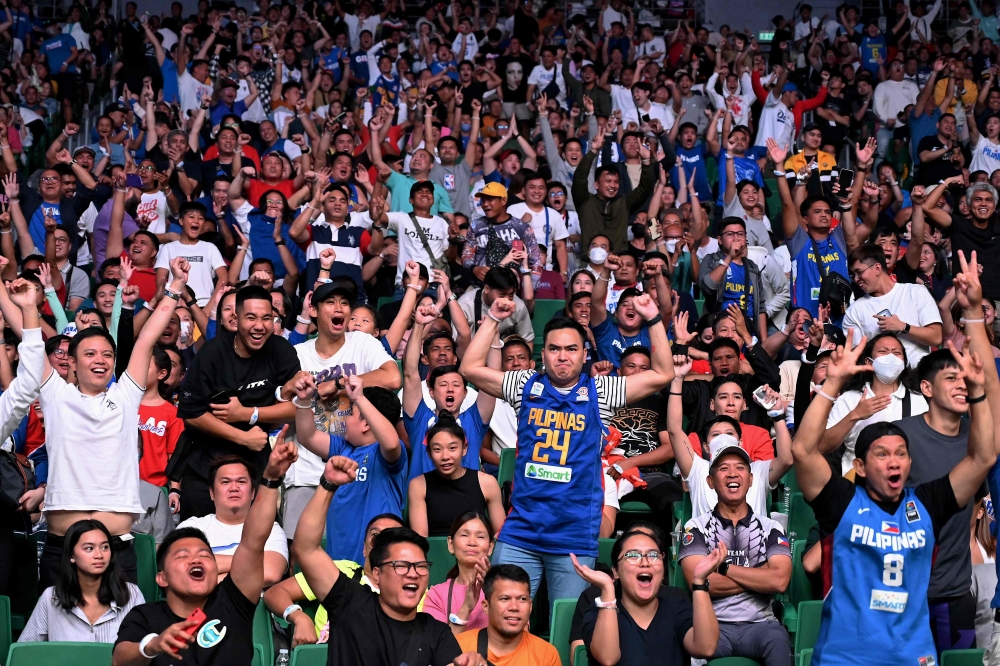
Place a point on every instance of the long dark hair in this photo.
(457, 524)
(113, 586)
(858, 381)
(287, 214)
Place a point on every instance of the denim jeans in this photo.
(560, 576)
(884, 138)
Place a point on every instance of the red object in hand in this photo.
(198, 615)
(517, 244)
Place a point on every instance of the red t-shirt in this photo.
(35, 436)
(249, 153)
(144, 278)
(160, 429)
(256, 188)
(756, 442)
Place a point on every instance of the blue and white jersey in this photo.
(347, 242)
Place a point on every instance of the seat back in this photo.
(562, 620)
(262, 632)
(806, 658)
(309, 655)
(441, 560)
(580, 656)
(800, 587)
(5, 634)
(800, 518)
(962, 657)
(77, 654)
(733, 661)
(810, 616)
(145, 555)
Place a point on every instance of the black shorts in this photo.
(68, 84)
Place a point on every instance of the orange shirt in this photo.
(532, 651)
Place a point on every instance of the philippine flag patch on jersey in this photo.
(889, 528)
(783, 541)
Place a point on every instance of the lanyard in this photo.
(547, 248)
(820, 263)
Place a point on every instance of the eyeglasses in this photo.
(734, 234)
(856, 275)
(148, 167)
(273, 202)
(402, 567)
(60, 353)
(635, 557)
(49, 179)
(60, 239)
(557, 193)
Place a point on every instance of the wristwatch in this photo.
(703, 587)
(906, 328)
(722, 568)
(271, 483)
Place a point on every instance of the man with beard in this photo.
(231, 396)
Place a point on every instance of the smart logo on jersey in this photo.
(209, 636)
(548, 473)
(892, 602)
(889, 528)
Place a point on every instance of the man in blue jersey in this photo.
(883, 535)
(372, 442)
(816, 250)
(60, 53)
(614, 332)
(558, 498)
(730, 277)
(447, 389)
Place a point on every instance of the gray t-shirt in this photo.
(756, 231)
(696, 105)
(935, 455)
(455, 180)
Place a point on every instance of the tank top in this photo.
(447, 499)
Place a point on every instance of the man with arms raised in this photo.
(558, 497)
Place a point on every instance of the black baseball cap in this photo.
(335, 288)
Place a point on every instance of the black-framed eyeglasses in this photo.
(856, 274)
(557, 193)
(635, 556)
(60, 353)
(402, 567)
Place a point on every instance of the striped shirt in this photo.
(49, 622)
(610, 392)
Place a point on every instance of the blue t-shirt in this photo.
(873, 48)
(736, 288)
(331, 61)
(746, 168)
(420, 423)
(384, 90)
(611, 343)
(217, 112)
(359, 66)
(57, 51)
(379, 487)
(36, 225)
(171, 90)
(693, 158)
(806, 277)
(921, 126)
(21, 25)
(262, 245)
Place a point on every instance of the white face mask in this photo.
(671, 246)
(720, 441)
(888, 368)
(598, 255)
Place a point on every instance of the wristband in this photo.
(49, 290)
(277, 395)
(831, 399)
(606, 604)
(975, 401)
(963, 319)
(9, 231)
(655, 320)
(146, 639)
(779, 173)
(295, 401)
(326, 485)
(273, 484)
(288, 611)
(149, 306)
(455, 619)
(170, 294)
(255, 415)
(174, 490)
(413, 286)
(303, 320)
(492, 316)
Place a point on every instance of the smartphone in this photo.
(517, 244)
(133, 180)
(884, 313)
(198, 615)
(760, 395)
(220, 398)
(846, 179)
(654, 229)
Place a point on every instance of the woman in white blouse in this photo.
(91, 596)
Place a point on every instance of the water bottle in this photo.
(282, 658)
(786, 500)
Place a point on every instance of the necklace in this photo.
(237, 349)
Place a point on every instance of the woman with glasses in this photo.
(636, 614)
(458, 601)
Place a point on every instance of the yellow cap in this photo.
(493, 190)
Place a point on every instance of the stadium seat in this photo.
(43, 654)
(699, 304)
(545, 310)
(635, 508)
(145, 555)
(962, 658)
(800, 587)
(5, 634)
(805, 659)
(683, 510)
(800, 518)
(580, 656)
(385, 300)
(562, 620)
(809, 616)
(507, 459)
(309, 655)
(258, 655)
(734, 661)
(441, 560)
(262, 632)
(604, 547)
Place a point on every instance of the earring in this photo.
(72, 561)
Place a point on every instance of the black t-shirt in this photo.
(639, 424)
(361, 632)
(935, 170)
(218, 368)
(588, 596)
(834, 132)
(661, 643)
(475, 90)
(832, 502)
(224, 639)
(966, 236)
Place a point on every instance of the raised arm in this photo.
(412, 390)
(474, 367)
(790, 220)
(384, 431)
(138, 365)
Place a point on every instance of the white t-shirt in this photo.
(709, 248)
(557, 226)
(255, 113)
(410, 245)
(704, 499)
(191, 91)
(360, 353)
(154, 204)
(985, 156)
(471, 47)
(204, 258)
(356, 26)
(776, 121)
(504, 427)
(656, 111)
(86, 225)
(912, 303)
(655, 45)
(542, 77)
(848, 400)
(225, 538)
(94, 455)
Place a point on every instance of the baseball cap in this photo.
(876, 431)
(493, 190)
(84, 149)
(790, 87)
(809, 127)
(228, 83)
(725, 444)
(421, 185)
(504, 154)
(115, 107)
(629, 292)
(331, 289)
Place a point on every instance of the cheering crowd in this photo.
(320, 268)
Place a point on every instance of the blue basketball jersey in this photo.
(557, 494)
(876, 610)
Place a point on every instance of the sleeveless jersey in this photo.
(877, 604)
(557, 494)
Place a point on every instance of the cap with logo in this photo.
(726, 444)
(493, 189)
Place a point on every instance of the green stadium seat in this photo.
(809, 617)
(962, 658)
(262, 632)
(580, 656)
(309, 655)
(507, 460)
(441, 560)
(145, 555)
(773, 201)
(545, 310)
(5, 634)
(562, 620)
(800, 518)
(42, 654)
(699, 304)
(806, 658)
(734, 661)
(791, 481)
(683, 510)
(385, 300)
(635, 508)
(799, 588)
(258, 655)
(604, 547)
